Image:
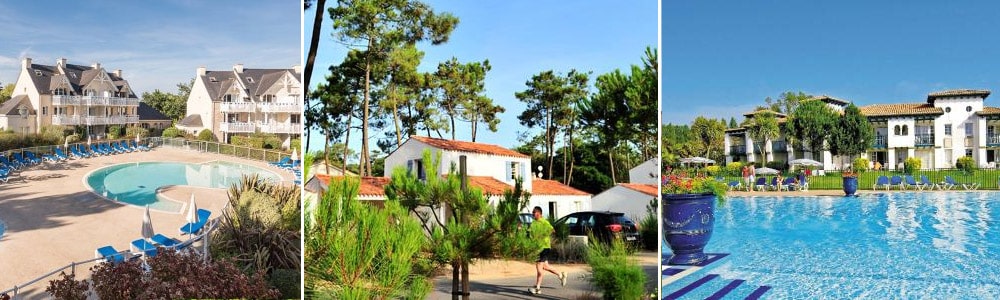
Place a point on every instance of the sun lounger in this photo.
(97, 150)
(60, 154)
(761, 183)
(733, 184)
(121, 148)
(143, 246)
(194, 228)
(284, 161)
(165, 241)
(140, 147)
(910, 182)
(896, 181)
(109, 254)
(882, 182)
(927, 182)
(5, 175)
(967, 186)
(789, 184)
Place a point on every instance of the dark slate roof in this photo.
(10, 106)
(191, 121)
(256, 81)
(149, 113)
(48, 78)
(955, 93)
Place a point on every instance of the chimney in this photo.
(201, 71)
(26, 63)
(61, 62)
(238, 68)
(118, 73)
(96, 65)
(297, 69)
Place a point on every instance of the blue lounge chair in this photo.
(122, 149)
(145, 247)
(96, 150)
(128, 146)
(31, 156)
(967, 186)
(284, 161)
(947, 184)
(140, 147)
(194, 228)
(760, 184)
(107, 148)
(910, 182)
(60, 154)
(803, 182)
(927, 182)
(109, 254)
(789, 184)
(19, 158)
(5, 175)
(896, 181)
(165, 241)
(882, 181)
(6, 162)
(84, 152)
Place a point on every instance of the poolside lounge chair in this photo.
(761, 183)
(882, 181)
(774, 185)
(927, 182)
(5, 175)
(910, 182)
(143, 246)
(283, 162)
(7, 163)
(733, 184)
(789, 184)
(896, 181)
(129, 147)
(109, 254)
(97, 150)
(140, 147)
(60, 154)
(194, 228)
(120, 145)
(165, 241)
(966, 186)
(947, 184)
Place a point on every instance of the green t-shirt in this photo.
(541, 231)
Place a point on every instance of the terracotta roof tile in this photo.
(470, 147)
(989, 111)
(901, 109)
(489, 185)
(760, 111)
(370, 186)
(962, 92)
(648, 189)
(551, 187)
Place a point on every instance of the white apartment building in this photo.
(244, 101)
(949, 125)
(69, 95)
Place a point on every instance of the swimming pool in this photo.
(892, 245)
(137, 183)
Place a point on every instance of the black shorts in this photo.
(545, 255)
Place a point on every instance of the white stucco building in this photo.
(243, 101)
(948, 125)
(648, 172)
(628, 198)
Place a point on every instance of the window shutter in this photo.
(524, 171)
(409, 166)
(508, 174)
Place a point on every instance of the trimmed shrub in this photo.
(240, 141)
(614, 273)
(911, 164)
(133, 131)
(966, 164)
(172, 132)
(206, 135)
(568, 251)
(295, 144)
(860, 164)
(114, 132)
(713, 170)
(735, 168)
(777, 165)
(649, 225)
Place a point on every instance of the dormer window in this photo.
(72, 74)
(212, 79)
(250, 79)
(227, 98)
(267, 98)
(38, 72)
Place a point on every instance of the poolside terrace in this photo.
(52, 219)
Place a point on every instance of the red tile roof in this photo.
(370, 186)
(551, 187)
(952, 93)
(648, 189)
(470, 147)
(901, 109)
(989, 111)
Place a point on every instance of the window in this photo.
(968, 108)
(513, 169)
(968, 152)
(947, 109)
(896, 130)
(227, 98)
(44, 110)
(906, 130)
(250, 79)
(212, 79)
(38, 72)
(295, 119)
(968, 129)
(267, 98)
(419, 164)
(947, 129)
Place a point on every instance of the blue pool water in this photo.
(136, 183)
(943, 245)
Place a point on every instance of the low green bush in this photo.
(777, 165)
(287, 282)
(206, 135)
(966, 164)
(649, 226)
(114, 132)
(172, 132)
(911, 164)
(860, 164)
(735, 168)
(132, 131)
(614, 273)
(569, 251)
(713, 170)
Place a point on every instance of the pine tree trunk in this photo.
(611, 163)
(363, 164)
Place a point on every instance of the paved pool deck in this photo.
(838, 192)
(53, 219)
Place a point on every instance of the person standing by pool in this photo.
(753, 177)
(541, 232)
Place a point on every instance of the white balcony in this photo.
(281, 107)
(123, 119)
(237, 107)
(66, 120)
(281, 128)
(236, 127)
(64, 100)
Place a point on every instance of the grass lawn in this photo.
(987, 178)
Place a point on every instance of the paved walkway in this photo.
(52, 219)
(491, 279)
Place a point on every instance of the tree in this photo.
(810, 125)
(6, 92)
(762, 128)
(603, 112)
(710, 133)
(853, 134)
(461, 94)
(732, 122)
(378, 28)
(549, 97)
(786, 103)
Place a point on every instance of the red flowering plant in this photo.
(699, 184)
(849, 172)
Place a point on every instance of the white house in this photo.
(647, 172)
(243, 101)
(948, 125)
(628, 198)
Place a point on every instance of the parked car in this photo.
(604, 225)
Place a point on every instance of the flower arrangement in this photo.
(683, 184)
(849, 173)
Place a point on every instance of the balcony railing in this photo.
(236, 127)
(237, 107)
(993, 140)
(281, 128)
(923, 140)
(63, 100)
(738, 150)
(880, 142)
(66, 120)
(279, 107)
(779, 146)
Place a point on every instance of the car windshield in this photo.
(622, 219)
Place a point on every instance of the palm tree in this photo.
(762, 128)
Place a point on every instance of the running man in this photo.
(541, 231)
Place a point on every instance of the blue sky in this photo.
(523, 38)
(156, 44)
(722, 58)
